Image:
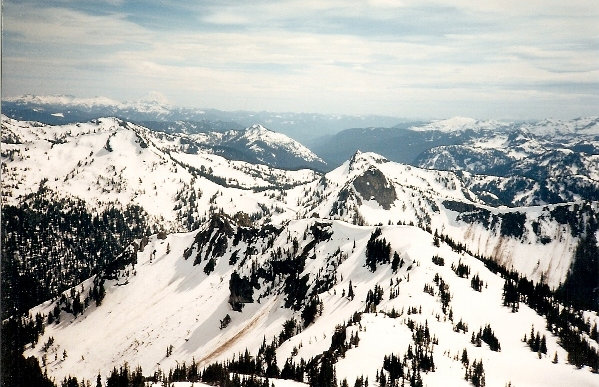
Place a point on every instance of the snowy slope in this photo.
(180, 184)
(257, 134)
(110, 161)
(304, 240)
(553, 127)
(262, 145)
(426, 198)
(165, 300)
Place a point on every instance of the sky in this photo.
(508, 59)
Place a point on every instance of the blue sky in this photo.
(418, 59)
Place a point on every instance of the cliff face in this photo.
(373, 184)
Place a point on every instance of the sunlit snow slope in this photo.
(110, 161)
(165, 300)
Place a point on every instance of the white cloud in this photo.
(64, 26)
(262, 56)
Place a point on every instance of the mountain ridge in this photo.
(198, 334)
(302, 270)
(157, 114)
(200, 184)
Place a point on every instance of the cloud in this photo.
(62, 26)
(156, 96)
(375, 56)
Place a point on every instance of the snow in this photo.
(151, 104)
(420, 195)
(276, 382)
(76, 162)
(168, 301)
(382, 336)
(62, 100)
(257, 133)
(547, 127)
(553, 127)
(260, 140)
(458, 124)
(165, 300)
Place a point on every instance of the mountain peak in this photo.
(258, 127)
(260, 139)
(356, 155)
(363, 160)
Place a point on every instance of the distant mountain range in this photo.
(547, 161)
(407, 141)
(303, 127)
(257, 144)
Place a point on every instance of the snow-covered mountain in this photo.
(404, 142)
(553, 169)
(173, 177)
(64, 109)
(375, 268)
(369, 189)
(261, 145)
(63, 100)
(552, 127)
(460, 124)
(451, 131)
(547, 161)
(180, 184)
(153, 105)
(212, 294)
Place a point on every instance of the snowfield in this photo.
(110, 161)
(165, 300)
(457, 124)
(259, 244)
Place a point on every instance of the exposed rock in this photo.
(373, 184)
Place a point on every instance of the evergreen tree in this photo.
(543, 345)
(478, 374)
(395, 262)
(350, 291)
(310, 311)
(377, 250)
(325, 375)
(511, 297)
(70, 382)
(464, 358)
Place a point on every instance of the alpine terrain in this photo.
(238, 257)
